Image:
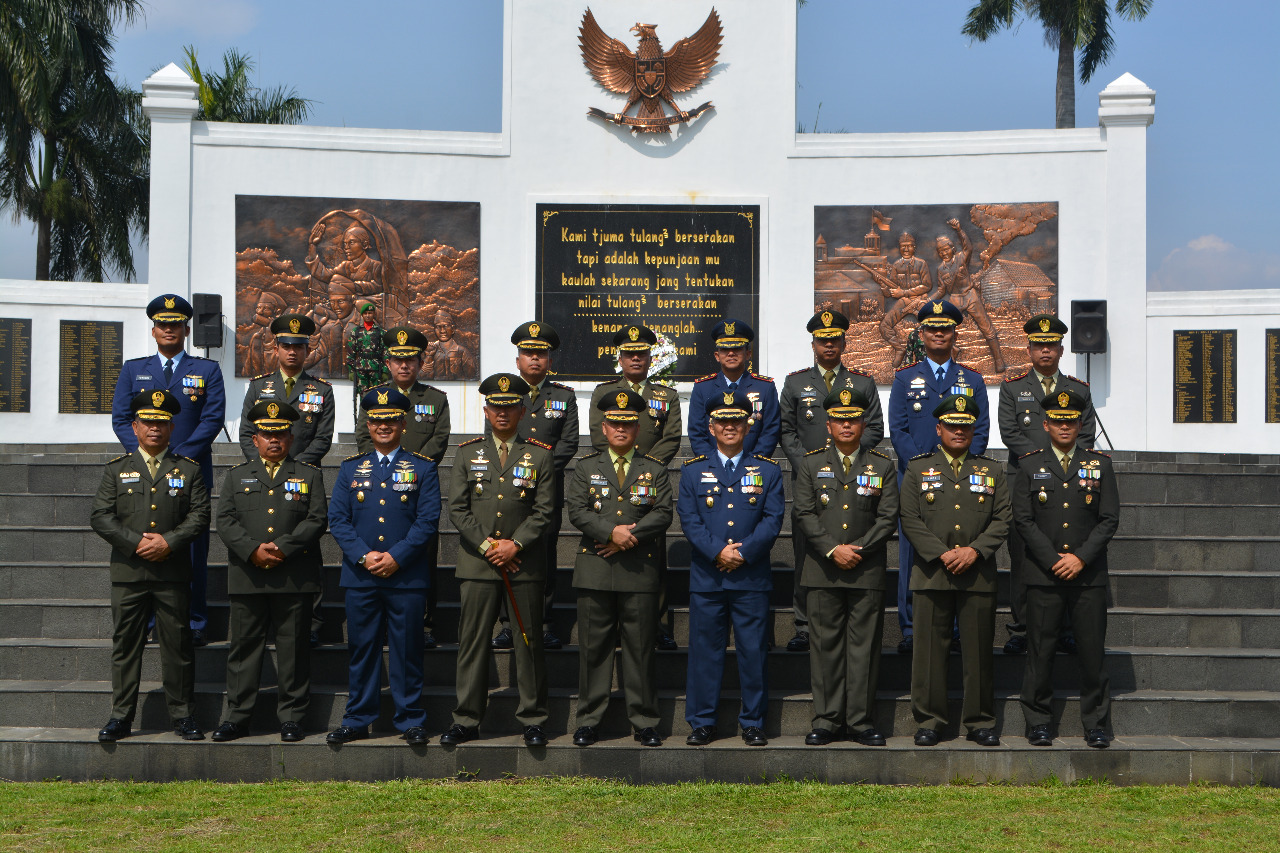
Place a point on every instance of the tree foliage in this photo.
(230, 96)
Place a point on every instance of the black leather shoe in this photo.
(150, 639)
(1067, 644)
(906, 646)
(753, 736)
(926, 737)
(585, 736)
(114, 730)
(291, 732)
(429, 640)
(869, 737)
(799, 643)
(1097, 738)
(955, 645)
(459, 734)
(1040, 736)
(187, 729)
(346, 734)
(416, 736)
(667, 643)
(984, 737)
(1016, 645)
(229, 731)
(701, 736)
(550, 640)
(315, 639)
(198, 638)
(649, 737)
(533, 736)
(819, 737)
(503, 640)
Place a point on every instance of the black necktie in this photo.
(733, 386)
(385, 466)
(728, 466)
(168, 371)
(941, 373)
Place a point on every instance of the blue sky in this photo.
(873, 67)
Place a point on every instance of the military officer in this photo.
(659, 435)
(846, 505)
(551, 417)
(1066, 566)
(272, 511)
(151, 504)
(1021, 429)
(501, 499)
(804, 425)
(197, 382)
(731, 506)
(309, 396)
(733, 353)
(955, 512)
(621, 501)
(426, 429)
(384, 513)
(917, 389)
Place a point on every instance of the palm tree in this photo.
(74, 155)
(230, 97)
(1069, 25)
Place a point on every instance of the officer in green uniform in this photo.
(501, 500)
(272, 511)
(804, 426)
(621, 500)
(659, 435)
(150, 505)
(1066, 530)
(551, 417)
(846, 507)
(426, 430)
(1021, 429)
(955, 512)
(309, 396)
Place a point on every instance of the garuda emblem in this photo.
(649, 76)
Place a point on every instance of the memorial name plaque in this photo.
(1273, 376)
(15, 365)
(89, 360)
(678, 269)
(1204, 376)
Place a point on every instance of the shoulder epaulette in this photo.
(1014, 377)
(967, 367)
(538, 443)
(608, 382)
(705, 378)
(906, 366)
(921, 456)
(819, 450)
(420, 456)
(875, 452)
(858, 371)
(354, 456)
(1076, 379)
(1032, 453)
(981, 456)
(762, 377)
(300, 462)
(801, 370)
(1099, 452)
(319, 379)
(472, 441)
(561, 385)
(694, 459)
(262, 376)
(653, 459)
(590, 455)
(242, 464)
(432, 388)
(139, 358)
(118, 458)
(764, 458)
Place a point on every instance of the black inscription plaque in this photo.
(15, 365)
(89, 360)
(1204, 376)
(1273, 376)
(678, 269)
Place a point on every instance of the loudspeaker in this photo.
(1089, 325)
(207, 323)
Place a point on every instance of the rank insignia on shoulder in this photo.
(819, 450)
(1076, 379)
(705, 378)
(1016, 375)
(694, 459)
(801, 370)
(875, 452)
(472, 441)
(535, 441)
(762, 377)
(764, 459)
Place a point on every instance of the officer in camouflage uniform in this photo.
(364, 355)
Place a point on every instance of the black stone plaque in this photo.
(1273, 376)
(89, 360)
(1204, 376)
(678, 269)
(15, 365)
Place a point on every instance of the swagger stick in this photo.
(515, 608)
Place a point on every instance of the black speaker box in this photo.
(206, 332)
(1089, 325)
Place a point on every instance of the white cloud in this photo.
(1210, 263)
(207, 17)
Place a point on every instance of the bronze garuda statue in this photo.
(649, 75)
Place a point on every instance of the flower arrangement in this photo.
(664, 359)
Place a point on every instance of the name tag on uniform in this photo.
(479, 466)
(825, 472)
(143, 377)
(1042, 475)
(130, 476)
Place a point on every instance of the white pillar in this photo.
(1126, 109)
(169, 100)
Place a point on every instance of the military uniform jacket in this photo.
(129, 503)
(426, 429)
(515, 501)
(398, 512)
(197, 383)
(290, 510)
(1022, 420)
(745, 506)
(973, 511)
(553, 420)
(762, 438)
(312, 431)
(660, 431)
(804, 421)
(1068, 512)
(916, 393)
(833, 508)
(596, 505)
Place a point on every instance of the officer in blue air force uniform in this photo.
(917, 390)
(384, 513)
(197, 383)
(733, 354)
(731, 506)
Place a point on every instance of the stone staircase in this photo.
(1193, 654)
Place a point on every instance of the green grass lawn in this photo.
(553, 815)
